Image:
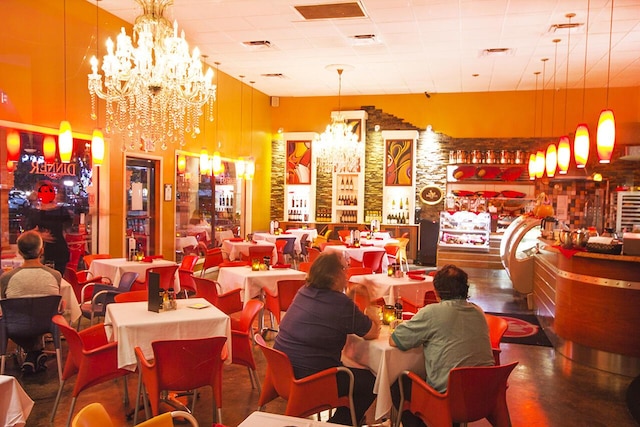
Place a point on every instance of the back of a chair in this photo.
(70, 275)
(249, 313)
(497, 328)
(313, 254)
(392, 249)
(289, 247)
(287, 290)
(132, 296)
(127, 280)
(88, 259)
(207, 289)
(304, 245)
(430, 297)
(305, 266)
(343, 234)
(28, 317)
(167, 275)
(260, 251)
(92, 415)
(188, 262)
(279, 373)
(212, 258)
(480, 392)
(373, 260)
(358, 271)
(75, 344)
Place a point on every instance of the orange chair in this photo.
(344, 234)
(241, 339)
(305, 396)
(79, 279)
(313, 254)
(167, 277)
(92, 357)
(280, 245)
(229, 302)
(185, 274)
(497, 328)
(430, 297)
(473, 393)
(132, 296)
(88, 259)
(174, 367)
(357, 271)
(280, 301)
(305, 266)
(95, 415)
(259, 252)
(213, 258)
(392, 252)
(373, 260)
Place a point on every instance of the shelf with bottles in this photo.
(298, 206)
(371, 215)
(348, 197)
(398, 206)
(348, 217)
(323, 215)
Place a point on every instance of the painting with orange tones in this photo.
(398, 163)
(298, 162)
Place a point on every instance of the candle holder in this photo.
(390, 270)
(255, 264)
(388, 314)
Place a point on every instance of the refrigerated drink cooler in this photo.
(517, 249)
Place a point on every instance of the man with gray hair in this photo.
(32, 279)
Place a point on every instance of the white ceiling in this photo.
(432, 46)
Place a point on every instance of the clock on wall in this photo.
(431, 195)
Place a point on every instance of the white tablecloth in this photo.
(72, 306)
(385, 361)
(356, 253)
(15, 403)
(266, 419)
(182, 242)
(237, 249)
(252, 282)
(259, 237)
(114, 267)
(11, 262)
(132, 325)
(378, 243)
(391, 287)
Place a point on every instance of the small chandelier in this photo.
(337, 148)
(154, 92)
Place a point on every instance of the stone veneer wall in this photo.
(432, 158)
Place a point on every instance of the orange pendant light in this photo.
(11, 166)
(240, 168)
(97, 147)
(65, 142)
(217, 166)
(205, 166)
(551, 160)
(250, 169)
(564, 155)
(540, 163)
(532, 167)
(581, 145)
(49, 149)
(606, 136)
(13, 145)
(182, 163)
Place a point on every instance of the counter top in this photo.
(549, 246)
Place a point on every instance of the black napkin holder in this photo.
(154, 298)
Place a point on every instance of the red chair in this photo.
(313, 254)
(92, 357)
(78, 281)
(185, 274)
(304, 266)
(181, 365)
(230, 302)
(88, 259)
(430, 297)
(306, 396)
(497, 328)
(132, 296)
(213, 258)
(259, 252)
(344, 234)
(241, 339)
(473, 393)
(358, 271)
(392, 252)
(286, 250)
(167, 277)
(373, 260)
(278, 302)
(280, 245)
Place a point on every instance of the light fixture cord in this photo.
(251, 124)
(584, 71)
(241, 103)
(217, 118)
(609, 60)
(553, 101)
(544, 73)
(340, 70)
(64, 52)
(566, 78)
(97, 56)
(535, 105)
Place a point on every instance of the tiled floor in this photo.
(546, 389)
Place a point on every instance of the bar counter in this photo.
(589, 303)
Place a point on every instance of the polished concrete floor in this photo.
(545, 389)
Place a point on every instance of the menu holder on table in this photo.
(154, 297)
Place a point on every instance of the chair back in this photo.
(358, 271)
(132, 296)
(279, 370)
(229, 302)
(92, 415)
(71, 276)
(280, 245)
(313, 254)
(260, 251)
(392, 249)
(305, 266)
(167, 275)
(287, 290)
(304, 245)
(249, 313)
(127, 280)
(497, 328)
(430, 297)
(28, 317)
(212, 258)
(373, 260)
(89, 258)
(188, 262)
(344, 234)
(187, 284)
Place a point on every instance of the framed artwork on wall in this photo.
(399, 162)
(298, 162)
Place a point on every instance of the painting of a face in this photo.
(46, 193)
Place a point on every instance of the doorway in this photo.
(142, 202)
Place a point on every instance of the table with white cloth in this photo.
(183, 242)
(10, 263)
(237, 249)
(385, 361)
(379, 242)
(132, 325)
(72, 306)
(383, 235)
(357, 253)
(114, 267)
(252, 282)
(268, 237)
(299, 232)
(267, 419)
(390, 288)
(15, 403)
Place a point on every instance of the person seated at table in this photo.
(452, 333)
(32, 279)
(315, 328)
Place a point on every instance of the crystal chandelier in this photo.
(337, 148)
(154, 92)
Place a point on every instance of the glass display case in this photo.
(465, 230)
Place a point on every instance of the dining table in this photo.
(410, 287)
(184, 241)
(132, 325)
(11, 262)
(269, 237)
(71, 305)
(385, 361)
(114, 267)
(252, 282)
(236, 249)
(356, 253)
(15, 403)
(268, 419)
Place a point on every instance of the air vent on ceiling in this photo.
(274, 75)
(364, 39)
(497, 51)
(258, 44)
(331, 11)
(565, 26)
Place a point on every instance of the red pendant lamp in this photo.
(49, 149)
(216, 165)
(551, 160)
(564, 155)
(540, 163)
(65, 142)
(581, 145)
(606, 137)
(532, 167)
(13, 145)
